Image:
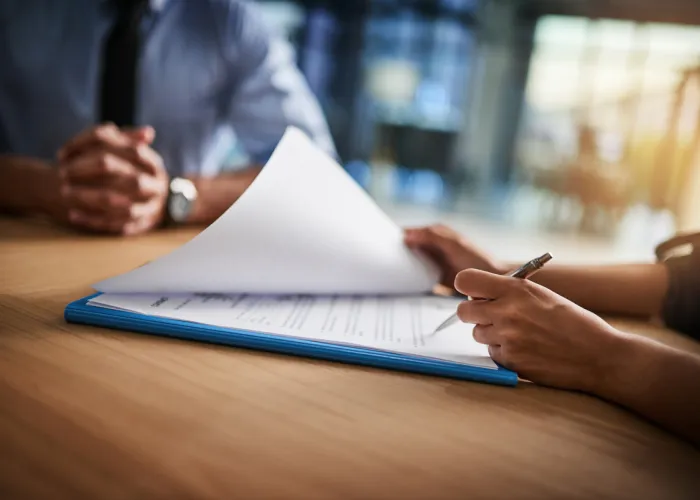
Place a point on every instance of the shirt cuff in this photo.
(260, 159)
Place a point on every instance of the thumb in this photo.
(145, 134)
(482, 284)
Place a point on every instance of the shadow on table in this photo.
(34, 229)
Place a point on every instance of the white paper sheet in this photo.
(303, 226)
(392, 323)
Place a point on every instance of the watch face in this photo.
(183, 194)
(179, 207)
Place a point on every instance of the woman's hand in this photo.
(540, 335)
(450, 252)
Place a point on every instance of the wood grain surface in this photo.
(94, 413)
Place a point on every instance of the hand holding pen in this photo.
(523, 272)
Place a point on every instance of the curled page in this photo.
(303, 226)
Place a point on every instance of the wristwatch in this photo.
(182, 195)
(679, 246)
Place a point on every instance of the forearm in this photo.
(634, 289)
(656, 381)
(217, 194)
(27, 186)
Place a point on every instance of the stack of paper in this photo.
(305, 252)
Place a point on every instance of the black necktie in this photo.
(119, 60)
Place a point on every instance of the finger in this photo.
(487, 335)
(138, 187)
(106, 155)
(98, 223)
(145, 134)
(98, 200)
(440, 245)
(107, 136)
(112, 172)
(137, 226)
(147, 158)
(479, 312)
(447, 273)
(144, 217)
(139, 154)
(411, 235)
(482, 284)
(496, 353)
(130, 219)
(145, 211)
(436, 238)
(96, 165)
(103, 133)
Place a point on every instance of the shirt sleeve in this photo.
(268, 93)
(681, 310)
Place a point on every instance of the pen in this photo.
(523, 272)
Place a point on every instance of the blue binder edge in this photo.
(80, 312)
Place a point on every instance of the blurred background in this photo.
(574, 122)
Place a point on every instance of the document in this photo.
(303, 226)
(305, 253)
(392, 323)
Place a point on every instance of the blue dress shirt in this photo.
(210, 76)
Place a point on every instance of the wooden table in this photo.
(93, 413)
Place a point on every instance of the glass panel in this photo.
(565, 33)
(554, 83)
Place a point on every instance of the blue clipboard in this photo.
(80, 312)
